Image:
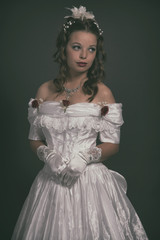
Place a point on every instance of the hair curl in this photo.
(96, 72)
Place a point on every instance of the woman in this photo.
(75, 196)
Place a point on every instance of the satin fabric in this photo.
(96, 206)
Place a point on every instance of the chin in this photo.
(82, 69)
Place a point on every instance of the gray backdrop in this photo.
(131, 32)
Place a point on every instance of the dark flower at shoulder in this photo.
(104, 110)
(65, 103)
(35, 103)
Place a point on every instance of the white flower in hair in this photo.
(80, 13)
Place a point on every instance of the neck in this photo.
(75, 80)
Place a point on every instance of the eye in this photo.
(76, 47)
(92, 49)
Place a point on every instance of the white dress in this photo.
(96, 206)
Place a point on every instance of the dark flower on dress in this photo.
(65, 104)
(104, 110)
(35, 103)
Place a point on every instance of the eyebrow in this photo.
(92, 45)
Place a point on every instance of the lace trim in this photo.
(62, 124)
(95, 154)
(102, 104)
(110, 122)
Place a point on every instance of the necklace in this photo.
(70, 91)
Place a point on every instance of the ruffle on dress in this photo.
(52, 115)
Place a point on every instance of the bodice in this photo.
(77, 127)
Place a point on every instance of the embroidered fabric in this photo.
(96, 206)
(93, 154)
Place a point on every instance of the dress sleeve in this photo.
(111, 124)
(35, 132)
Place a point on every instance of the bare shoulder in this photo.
(45, 90)
(105, 94)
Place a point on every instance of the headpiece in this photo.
(80, 13)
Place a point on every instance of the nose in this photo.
(83, 54)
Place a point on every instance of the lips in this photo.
(81, 64)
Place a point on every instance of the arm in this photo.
(55, 161)
(108, 149)
(41, 94)
(34, 144)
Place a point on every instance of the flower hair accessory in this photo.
(67, 25)
(80, 13)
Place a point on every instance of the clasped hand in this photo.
(78, 164)
(68, 171)
(73, 169)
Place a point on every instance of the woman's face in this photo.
(81, 51)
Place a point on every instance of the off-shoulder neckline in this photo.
(99, 104)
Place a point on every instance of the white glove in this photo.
(53, 159)
(78, 164)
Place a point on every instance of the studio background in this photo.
(131, 33)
